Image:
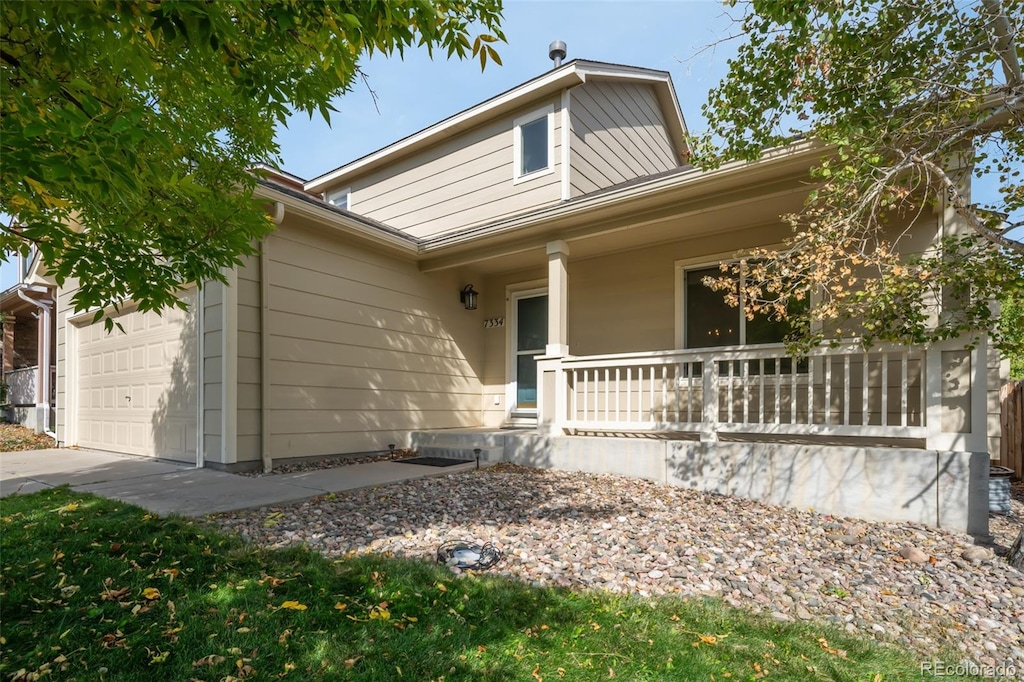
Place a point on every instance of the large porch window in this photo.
(711, 322)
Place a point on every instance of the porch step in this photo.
(460, 443)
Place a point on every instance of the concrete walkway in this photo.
(166, 487)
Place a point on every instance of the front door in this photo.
(529, 340)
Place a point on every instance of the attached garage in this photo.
(135, 391)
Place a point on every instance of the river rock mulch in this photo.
(332, 463)
(902, 583)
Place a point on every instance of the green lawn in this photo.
(98, 590)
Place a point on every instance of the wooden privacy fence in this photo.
(1011, 445)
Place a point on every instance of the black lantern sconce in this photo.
(468, 297)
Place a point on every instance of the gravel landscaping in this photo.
(907, 584)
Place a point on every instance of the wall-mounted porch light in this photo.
(468, 297)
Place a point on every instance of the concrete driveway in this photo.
(166, 487)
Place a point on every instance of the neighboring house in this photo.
(535, 262)
(29, 348)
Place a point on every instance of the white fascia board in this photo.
(605, 70)
(327, 215)
(569, 74)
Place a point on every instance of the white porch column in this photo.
(558, 299)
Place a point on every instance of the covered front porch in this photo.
(602, 345)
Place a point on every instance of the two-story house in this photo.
(524, 277)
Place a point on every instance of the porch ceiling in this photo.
(668, 223)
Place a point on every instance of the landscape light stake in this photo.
(476, 451)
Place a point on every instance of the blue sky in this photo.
(414, 92)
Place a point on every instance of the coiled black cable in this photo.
(468, 555)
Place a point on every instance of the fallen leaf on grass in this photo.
(244, 669)
(828, 649)
(350, 662)
(340, 606)
(274, 582)
(112, 641)
(293, 605)
(151, 593)
(69, 507)
(114, 595)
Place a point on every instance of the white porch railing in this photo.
(843, 391)
(21, 386)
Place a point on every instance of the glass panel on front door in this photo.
(531, 340)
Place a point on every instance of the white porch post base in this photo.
(955, 390)
(709, 395)
(552, 395)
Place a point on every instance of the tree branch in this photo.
(1004, 41)
(960, 205)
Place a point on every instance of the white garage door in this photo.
(137, 389)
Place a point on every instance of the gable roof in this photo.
(571, 73)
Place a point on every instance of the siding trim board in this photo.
(566, 149)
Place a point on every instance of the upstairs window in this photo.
(533, 144)
(339, 198)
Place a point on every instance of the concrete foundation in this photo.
(941, 489)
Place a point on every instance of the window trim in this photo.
(518, 176)
(347, 192)
(702, 263)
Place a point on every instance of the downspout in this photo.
(200, 313)
(268, 459)
(43, 369)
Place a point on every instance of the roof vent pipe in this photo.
(556, 52)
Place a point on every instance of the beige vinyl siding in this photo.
(213, 323)
(248, 397)
(363, 348)
(639, 286)
(464, 181)
(494, 303)
(618, 303)
(63, 310)
(617, 133)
